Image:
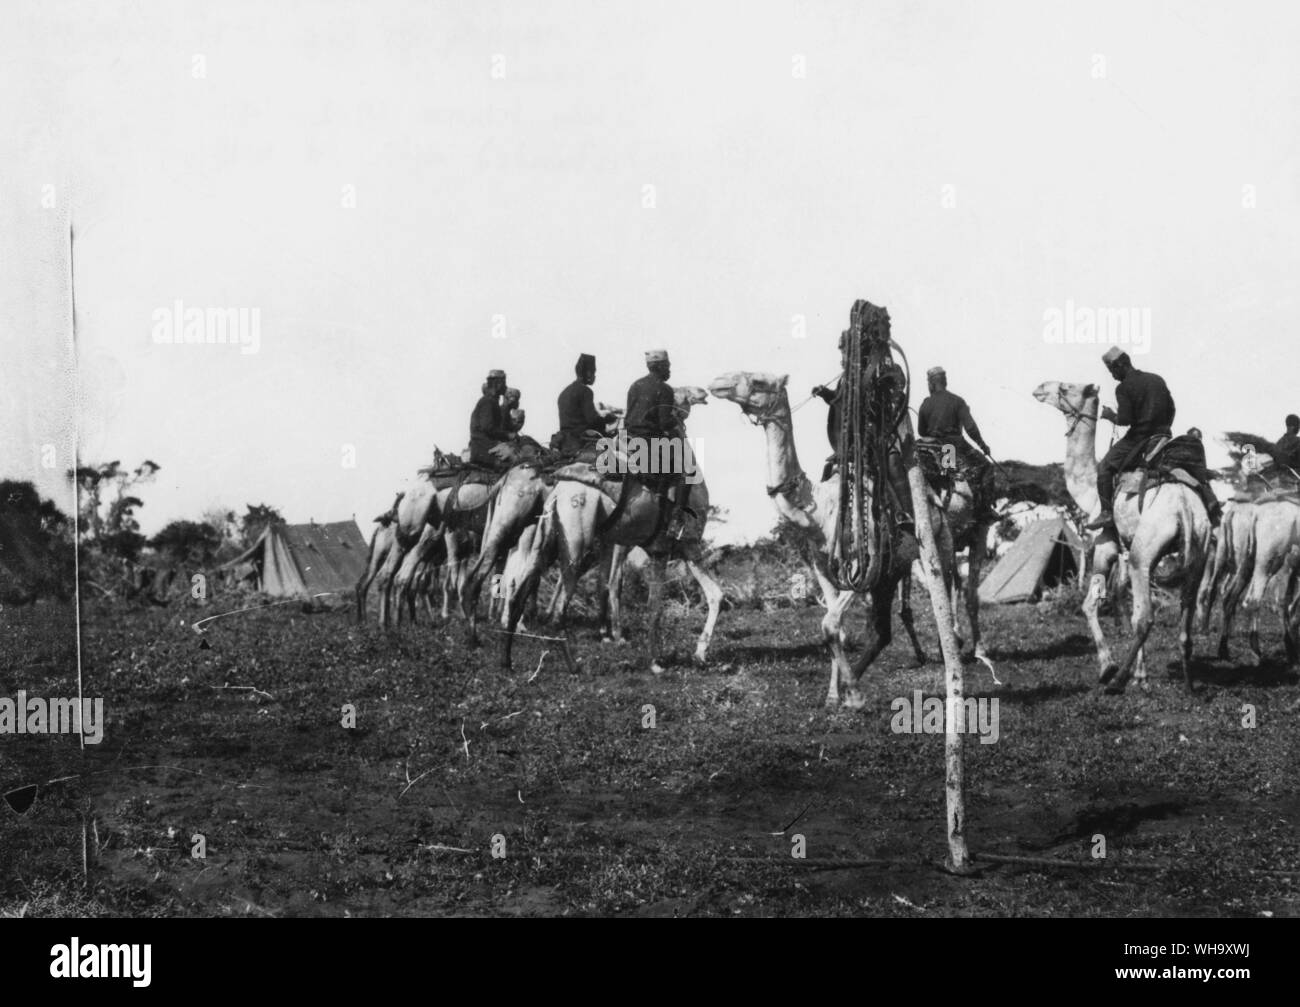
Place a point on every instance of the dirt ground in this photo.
(237, 736)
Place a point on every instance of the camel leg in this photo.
(1291, 606)
(837, 603)
(363, 587)
(905, 616)
(1232, 597)
(384, 585)
(1187, 624)
(656, 570)
(880, 632)
(529, 577)
(978, 547)
(952, 581)
(617, 566)
(1119, 593)
(1214, 577)
(713, 597)
(1149, 544)
(1254, 598)
(603, 563)
(403, 590)
(1104, 556)
(375, 561)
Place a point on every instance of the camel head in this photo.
(1071, 399)
(756, 392)
(686, 396)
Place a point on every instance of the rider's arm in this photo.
(968, 425)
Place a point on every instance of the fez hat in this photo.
(1113, 354)
(496, 375)
(656, 357)
(936, 372)
(586, 360)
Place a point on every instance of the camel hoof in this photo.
(855, 700)
(1113, 689)
(1224, 654)
(699, 660)
(920, 661)
(1108, 672)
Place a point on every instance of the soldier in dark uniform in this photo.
(1146, 408)
(1287, 450)
(652, 415)
(944, 417)
(489, 433)
(651, 411)
(577, 407)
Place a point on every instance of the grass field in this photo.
(600, 814)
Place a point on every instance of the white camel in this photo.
(813, 510)
(587, 518)
(1170, 518)
(1256, 541)
(514, 506)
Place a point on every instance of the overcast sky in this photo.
(382, 180)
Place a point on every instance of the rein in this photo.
(1076, 416)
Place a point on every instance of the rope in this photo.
(873, 404)
(795, 409)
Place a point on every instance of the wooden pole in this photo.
(958, 857)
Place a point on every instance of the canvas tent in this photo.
(301, 560)
(1046, 553)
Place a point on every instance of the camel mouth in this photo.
(723, 388)
(1041, 393)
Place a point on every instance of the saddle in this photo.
(455, 473)
(1165, 459)
(555, 456)
(940, 469)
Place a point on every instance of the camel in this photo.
(1256, 540)
(572, 530)
(417, 507)
(381, 544)
(516, 504)
(439, 556)
(1170, 518)
(813, 509)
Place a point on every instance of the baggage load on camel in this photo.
(1174, 459)
(454, 472)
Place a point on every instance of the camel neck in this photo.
(1081, 459)
(783, 467)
